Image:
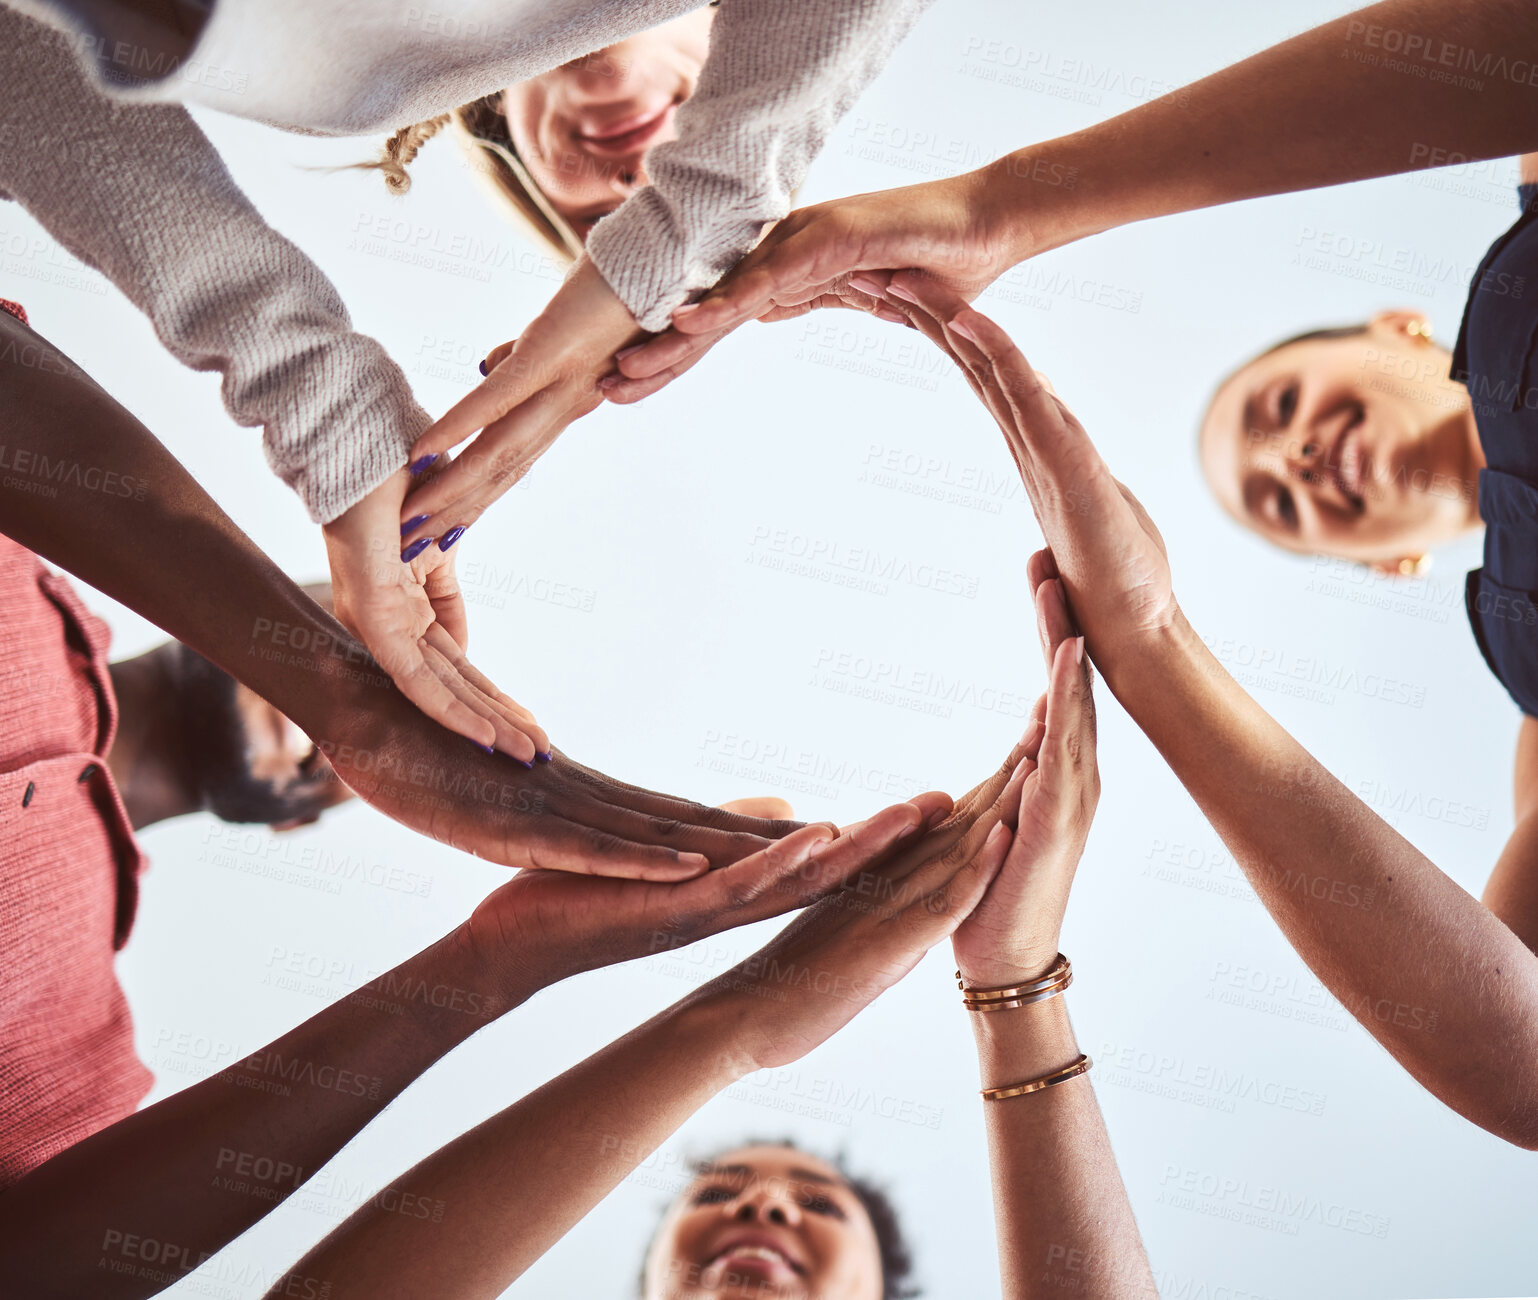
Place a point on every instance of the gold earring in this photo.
(1419, 330)
(1412, 566)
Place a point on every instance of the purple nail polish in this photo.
(412, 524)
(529, 767)
(449, 538)
(484, 371)
(544, 755)
(415, 549)
(489, 749)
(422, 462)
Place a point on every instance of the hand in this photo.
(540, 383)
(1106, 550)
(558, 815)
(1012, 935)
(842, 952)
(822, 256)
(412, 619)
(549, 925)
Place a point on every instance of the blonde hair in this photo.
(481, 128)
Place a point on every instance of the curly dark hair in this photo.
(896, 1256)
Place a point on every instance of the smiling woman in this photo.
(772, 1215)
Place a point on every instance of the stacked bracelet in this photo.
(1058, 977)
(1081, 1066)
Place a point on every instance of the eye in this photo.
(1286, 404)
(712, 1195)
(1287, 509)
(816, 1203)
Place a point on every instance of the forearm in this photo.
(120, 512)
(138, 192)
(197, 1169)
(1448, 989)
(1063, 1217)
(1390, 88)
(514, 1185)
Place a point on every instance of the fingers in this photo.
(497, 356)
(518, 735)
(759, 806)
(1054, 622)
(509, 385)
(782, 262)
(1041, 566)
(1068, 770)
(506, 450)
(441, 585)
(403, 657)
(661, 369)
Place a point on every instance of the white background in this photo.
(701, 671)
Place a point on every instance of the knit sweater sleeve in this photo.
(779, 77)
(139, 193)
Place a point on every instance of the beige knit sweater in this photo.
(125, 180)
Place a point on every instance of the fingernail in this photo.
(544, 755)
(487, 749)
(415, 549)
(899, 291)
(453, 535)
(865, 285)
(610, 381)
(631, 350)
(481, 364)
(412, 524)
(1078, 650)
(688, 309)
(422, 462)
(695, 860)
(958, 327)
(527, 767)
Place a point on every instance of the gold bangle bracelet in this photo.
(1059, 973)
(1081, 1066)
(1024, 1000)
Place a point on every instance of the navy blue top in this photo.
(1496, 357)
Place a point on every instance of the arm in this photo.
(196, 1170)
(778, 79)
(1511, 893)
(1064, 1220)
(120, 512)
(138, 192)
(1437, 979)
(1270, 124)
(522, 1179)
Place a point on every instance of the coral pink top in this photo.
(69, 871)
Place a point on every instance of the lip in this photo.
(732, 1250)
(1348, 462)
(628, 135)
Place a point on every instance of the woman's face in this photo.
(765, 1222)
(584, 130)
(1358, 447)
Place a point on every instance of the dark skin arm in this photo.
(192, 1172)
(89, 488)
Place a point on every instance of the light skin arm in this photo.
(1270, 124)
(1063, 1217)
(1447, 988)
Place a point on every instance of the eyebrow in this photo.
(747, 1171)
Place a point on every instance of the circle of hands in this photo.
(613, 872)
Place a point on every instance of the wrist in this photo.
(1034, 199)
(1137, 663)
(716, 1024)
(1016, 963)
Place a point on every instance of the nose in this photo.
(766, 1207)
